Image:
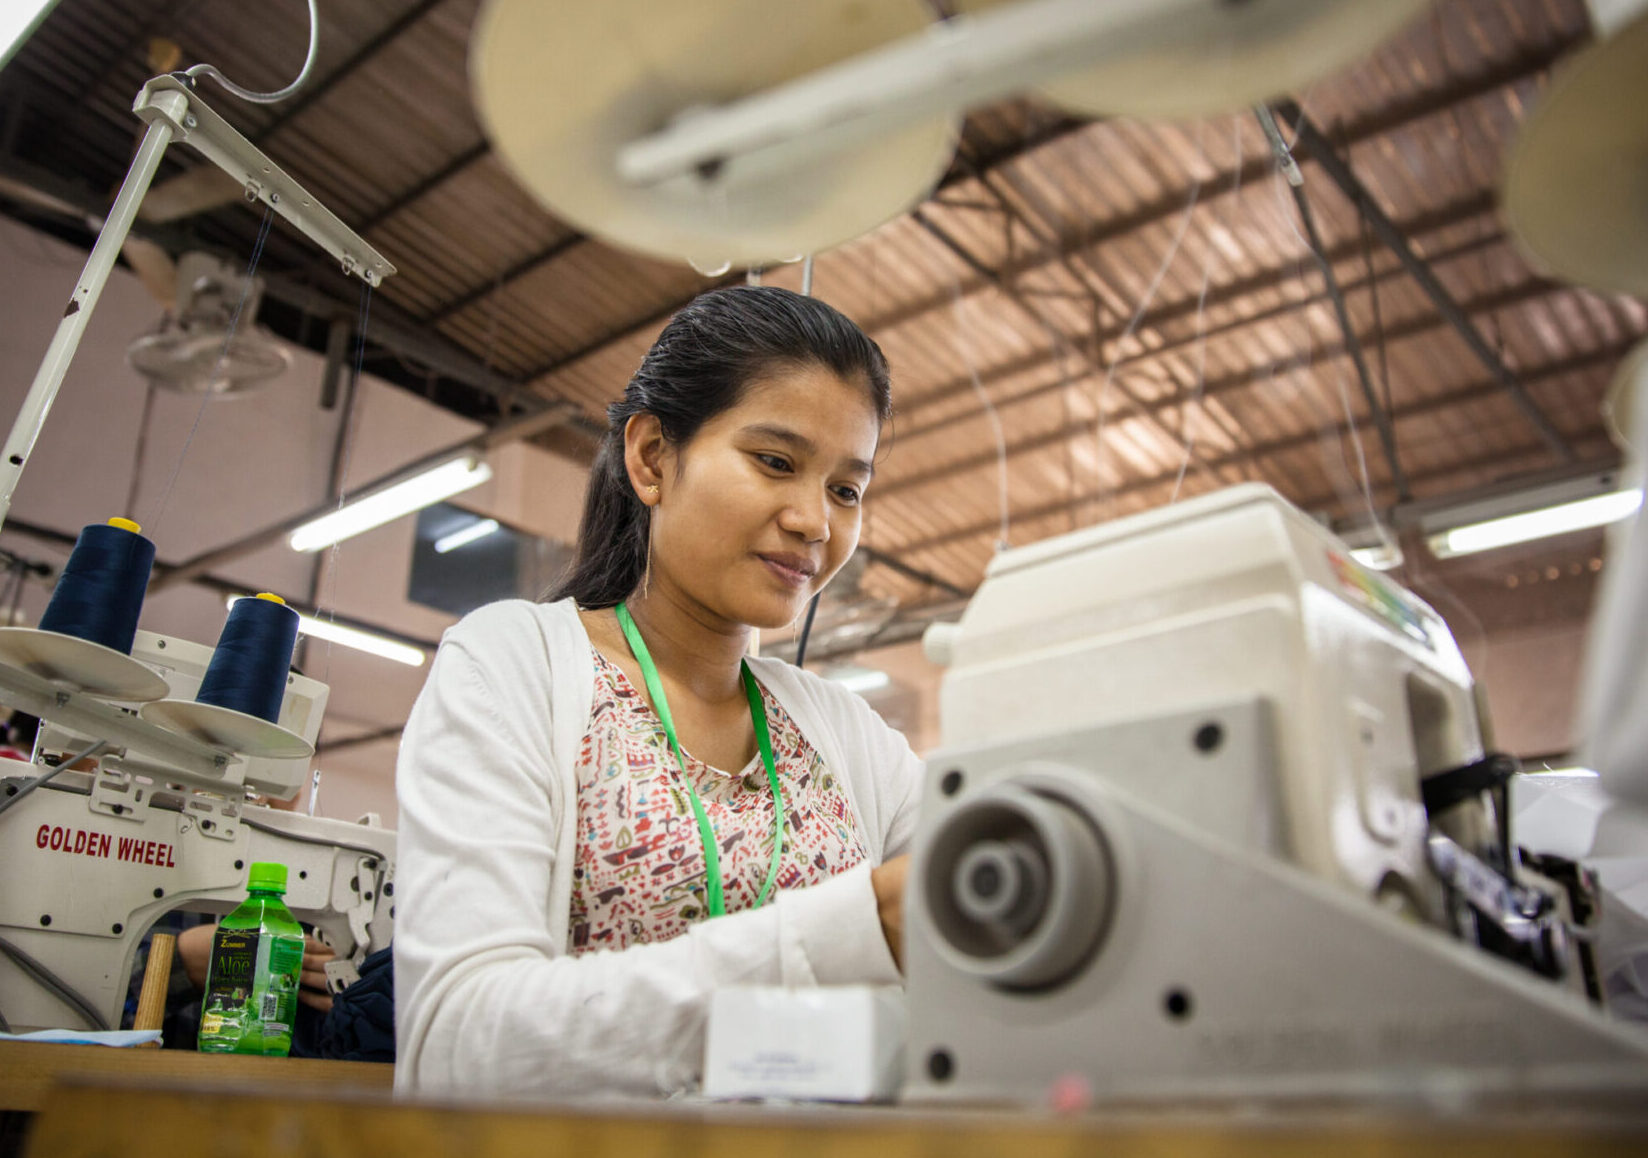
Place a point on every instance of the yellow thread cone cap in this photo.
(125, 525)
(271, 598)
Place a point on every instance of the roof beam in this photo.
(1476, 392)
(1012, 295)
(508, 277)
(1518, 69)
(314, 92)
(1055, 130)
(1311, 138)
(1341, 312)
(1082, 268)
(1212, 388)
(423, 186)
(1282, 273)
(1171, 203)
(902, 568)
(1281, 310)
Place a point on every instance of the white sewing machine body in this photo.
(1179, 809)
(1233, 597)
(92, 859)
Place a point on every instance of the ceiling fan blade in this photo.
(198, 190)
(154, 268)
(17, 190)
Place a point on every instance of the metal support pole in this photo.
(49, 378)
(1353, 345)
(1321, 151)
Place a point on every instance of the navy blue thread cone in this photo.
(248, 670)
(99, 596)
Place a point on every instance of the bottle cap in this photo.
(268, 876)
(125, 525)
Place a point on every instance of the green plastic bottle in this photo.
(252, 984)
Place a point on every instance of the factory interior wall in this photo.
(1532, 677)
(251, 461)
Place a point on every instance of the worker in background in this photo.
(570, 763)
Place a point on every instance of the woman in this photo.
(559, 927)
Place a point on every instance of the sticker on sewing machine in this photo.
(1369, 591)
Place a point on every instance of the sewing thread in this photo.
(248, 670)
(99, 596)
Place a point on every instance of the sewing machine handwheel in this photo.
(1019, 886)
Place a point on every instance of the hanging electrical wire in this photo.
(1194, 406)
(1288, 174)
(209, 71)
(1148, 296)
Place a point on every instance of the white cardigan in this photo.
(487, 1002)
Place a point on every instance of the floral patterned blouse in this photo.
(639, 876)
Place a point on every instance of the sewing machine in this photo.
(93, 858)
(1214, 816)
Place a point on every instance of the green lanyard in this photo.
(706, 832)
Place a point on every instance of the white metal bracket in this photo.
(186, 758)
(171, 110)
(195, 123)
(119, 795)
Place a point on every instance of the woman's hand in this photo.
(313, 993)
(194, 948)
(888, 881)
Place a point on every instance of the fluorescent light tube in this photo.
(479, 529)
(354, 637)
(1596, 511)
(391, 503)
(18, 20)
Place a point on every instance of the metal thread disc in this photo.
(562, 85)
(1576, 188)
(80, 665)
(226, 728)
(1227, 56)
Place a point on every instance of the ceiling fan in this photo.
(199, 348)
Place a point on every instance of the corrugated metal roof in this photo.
(1129, 310)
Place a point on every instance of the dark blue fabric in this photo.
(361, 1025)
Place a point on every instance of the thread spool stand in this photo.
(80, 665)
(227, 728)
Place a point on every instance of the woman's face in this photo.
(761, 507)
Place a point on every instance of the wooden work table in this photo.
(29, 1069)
(167, 1117)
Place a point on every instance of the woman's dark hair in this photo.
(699, 367)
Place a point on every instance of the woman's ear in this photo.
(645, 449)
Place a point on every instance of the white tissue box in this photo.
(837, 1044)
